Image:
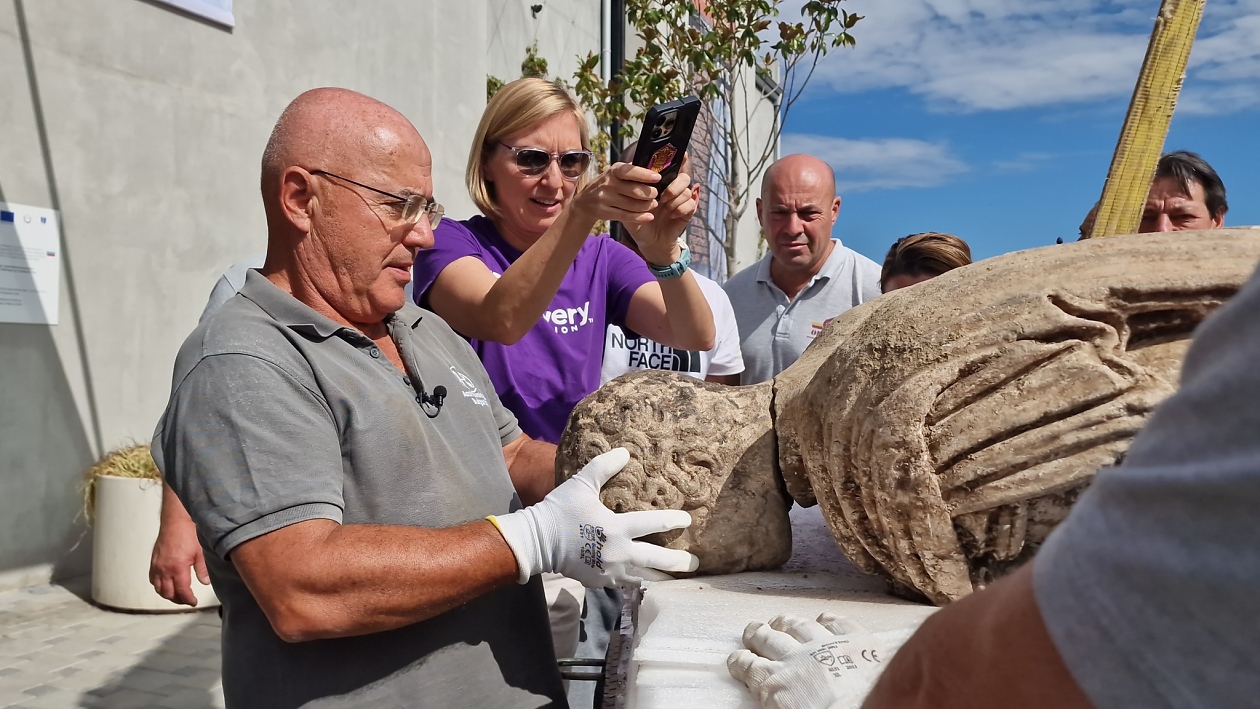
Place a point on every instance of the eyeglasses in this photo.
(533, 161)
(413, 206)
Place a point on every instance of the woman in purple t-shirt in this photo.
(529, 285)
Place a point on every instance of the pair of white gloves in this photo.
(571, 532)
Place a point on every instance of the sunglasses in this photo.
(534, 161)
(412, 207)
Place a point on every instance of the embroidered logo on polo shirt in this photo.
(566, 320)
(816, 328)
(470, 388)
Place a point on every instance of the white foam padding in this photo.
(688, 627)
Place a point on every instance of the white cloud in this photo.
(1224, 71)
(1024, 162)
(879, 163)
(977, 55)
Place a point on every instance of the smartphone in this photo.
(665, 137)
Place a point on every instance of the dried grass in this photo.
(133, 461)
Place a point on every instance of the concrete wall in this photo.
(564, 30)
(145, 128)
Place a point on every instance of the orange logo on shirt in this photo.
(816, 328)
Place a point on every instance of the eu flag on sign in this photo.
(6, 216)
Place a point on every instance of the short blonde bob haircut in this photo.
(517, 107)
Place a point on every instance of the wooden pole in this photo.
(1146, 125)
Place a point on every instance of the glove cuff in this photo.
(520, 533)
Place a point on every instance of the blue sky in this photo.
(996, 119)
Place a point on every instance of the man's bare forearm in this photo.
(990, 650)
(318, 579)
(173, 512)
(532, 466)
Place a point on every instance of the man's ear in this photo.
(297, 197)
(835, 210)
(759, 219)
(1219, 220)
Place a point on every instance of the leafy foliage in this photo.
(731, 54)
(531, 66)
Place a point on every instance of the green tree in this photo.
(531, 66)
(729, 55)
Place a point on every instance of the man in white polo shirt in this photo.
(783, 301)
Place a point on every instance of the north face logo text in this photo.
(646, 354)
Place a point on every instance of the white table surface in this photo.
(687, 628)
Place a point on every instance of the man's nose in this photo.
(795, 225)
(1164, 223)
(420, 236)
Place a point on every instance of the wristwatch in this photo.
(675, 269)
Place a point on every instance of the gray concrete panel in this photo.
(153, 124)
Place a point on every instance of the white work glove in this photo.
(571, 532)
(794, 663)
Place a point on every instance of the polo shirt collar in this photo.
(763, 269)
(833, 264)
(409, 314)
(293, 313)
(285, 309)
(830, 267)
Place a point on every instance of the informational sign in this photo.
(30, 264)
(219, 11)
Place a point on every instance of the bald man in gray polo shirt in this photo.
(783, 301)
(355, 482)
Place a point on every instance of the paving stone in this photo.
(39, 690)
(191, 699)
(129, 699)
(201, 678)
(88, 654)
(59, 700)
(57, 651)
(147, 679)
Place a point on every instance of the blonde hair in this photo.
(928, 254)
(517, 107)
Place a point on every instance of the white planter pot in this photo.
(128, 512)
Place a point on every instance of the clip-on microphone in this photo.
(435, 400)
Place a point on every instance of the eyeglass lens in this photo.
(533, 161)
(417, 206)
